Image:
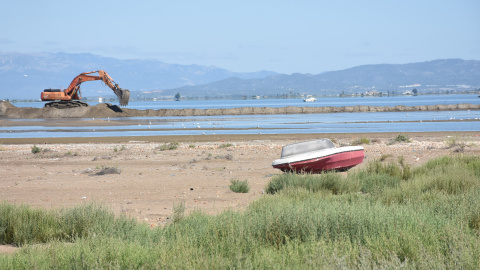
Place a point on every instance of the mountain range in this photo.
(436, 76)
(24, 76)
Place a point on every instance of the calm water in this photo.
(271, 124)
(321, 102)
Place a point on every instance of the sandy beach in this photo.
(150, 181)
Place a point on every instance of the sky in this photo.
(300, 36)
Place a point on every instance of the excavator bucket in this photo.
(123, 96)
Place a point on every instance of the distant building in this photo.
(373, 93)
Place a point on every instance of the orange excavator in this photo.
(70, 96)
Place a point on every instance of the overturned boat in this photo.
(318, 156)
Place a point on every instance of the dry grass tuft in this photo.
(109, 170)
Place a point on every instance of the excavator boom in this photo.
(73, 90)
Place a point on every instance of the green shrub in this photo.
(450, 175)
(69, 154)
(122, 148)
(331, 182)
(36, 149)
(376, 183)
(400, 138)
(385, 156)
(225, 145)
(178, 212)
(238, 186)
(451, 141)
(22, 224)
(168, 146)
(360, 141)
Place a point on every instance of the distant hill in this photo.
(24, 76)
(432, 76)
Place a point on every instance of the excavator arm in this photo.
(73, 90)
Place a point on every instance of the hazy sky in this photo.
(278, 35)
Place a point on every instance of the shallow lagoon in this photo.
(257, 124)
(275, 103)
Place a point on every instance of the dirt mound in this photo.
(8, 110)
(104, 110)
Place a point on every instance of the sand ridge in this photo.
(104, 110)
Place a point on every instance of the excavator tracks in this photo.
(65, 104)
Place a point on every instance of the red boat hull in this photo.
(335, 162)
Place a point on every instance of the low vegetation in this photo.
(452, 142)
(400, 138)
(238, 186)
(178, 212)
(227, 157)
(225, 145)
(108, 170)
(383, 216)
(49, 153)
(36, 149)
(70, 154)
(122, 148)
(102, 157)
(385, 156)
(360, 141)
(168, 146)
